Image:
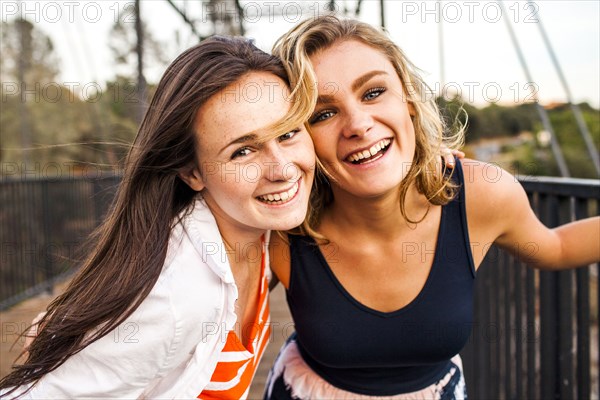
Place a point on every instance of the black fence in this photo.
(536, 333)
(43, 223)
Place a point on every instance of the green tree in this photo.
(26, 50)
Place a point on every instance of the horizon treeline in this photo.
(43, 121)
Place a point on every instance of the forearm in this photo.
(579, 243)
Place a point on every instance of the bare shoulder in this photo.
(489, 186)
(279, 255)
(495, 201)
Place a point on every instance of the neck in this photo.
(378, 216)
(243, 244)
(242, 249)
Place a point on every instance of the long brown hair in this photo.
(318, 34)
(131, 245)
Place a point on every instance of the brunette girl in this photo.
(172, 300)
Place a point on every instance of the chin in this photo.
(376, 191)
(284, 225)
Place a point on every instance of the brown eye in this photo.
(244, 151)
(288, 135)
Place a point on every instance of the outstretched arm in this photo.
(499, 211)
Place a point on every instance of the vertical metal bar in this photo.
(583, 319)
(497, 301)
(22, 276)
(46, 241)
(479, 343)
(532, 334)
(508, 369)
(382, 12)
(548, 311)
(518, 331)
(565, 316)
(9, 192)
(30, 244)
(8, 247)
(484, 323)
(548, 335)
(532, 328)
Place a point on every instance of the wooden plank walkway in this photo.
(17, 318)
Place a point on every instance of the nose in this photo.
(278, 164)
(358, 123)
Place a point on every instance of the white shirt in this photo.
(168, 348)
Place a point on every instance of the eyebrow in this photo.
(325, 99)
(358, 82)
(365, 78)
(251, 137)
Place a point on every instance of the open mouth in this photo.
(374, 153)
(281, 197)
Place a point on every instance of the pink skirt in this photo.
(292, 378)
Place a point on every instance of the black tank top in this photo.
(366, 351)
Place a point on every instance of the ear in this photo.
(191, 175)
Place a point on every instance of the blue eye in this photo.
(244, 151)
(372, 94)
(321, 116)
(288, 135)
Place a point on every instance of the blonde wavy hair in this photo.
(317, 34)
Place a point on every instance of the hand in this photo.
(449, 155)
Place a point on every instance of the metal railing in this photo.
(43, 222)
(536, 332)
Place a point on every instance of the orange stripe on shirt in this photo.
(237, 364)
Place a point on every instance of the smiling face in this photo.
(247, 182)
(361, 128)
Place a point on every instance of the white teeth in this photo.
(281, 197)
(376, 148)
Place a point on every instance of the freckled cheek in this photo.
(324, 147)
(309, 153)
(302, 164)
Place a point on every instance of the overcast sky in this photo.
(480, 60)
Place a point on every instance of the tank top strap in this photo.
(456, 213)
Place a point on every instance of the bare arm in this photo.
(279, 255)
(499, 211)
